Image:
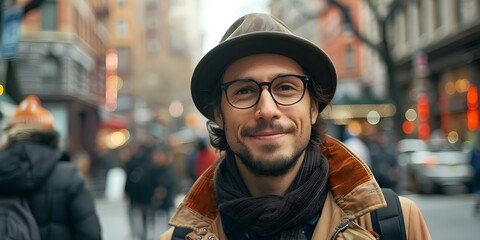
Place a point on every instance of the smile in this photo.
(269, 136)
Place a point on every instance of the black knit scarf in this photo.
(270, 216)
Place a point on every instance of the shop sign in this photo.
(12, 20)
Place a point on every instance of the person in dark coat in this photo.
(384, 163)
(150, 188)
(32, 165)
(475, 162)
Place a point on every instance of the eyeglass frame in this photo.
(304, 78)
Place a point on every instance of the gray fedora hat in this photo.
(257, 33)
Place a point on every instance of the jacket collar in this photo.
(351, 182)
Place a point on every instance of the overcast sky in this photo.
(218, 15)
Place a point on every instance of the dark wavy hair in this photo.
(319, 129)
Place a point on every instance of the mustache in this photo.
(264, 125)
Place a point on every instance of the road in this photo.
(448, 217)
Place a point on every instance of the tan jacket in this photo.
(354, 192)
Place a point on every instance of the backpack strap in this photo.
(388, 222)
(180, 233)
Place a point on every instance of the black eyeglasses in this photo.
(285, 90)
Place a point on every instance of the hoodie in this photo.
(57, 194)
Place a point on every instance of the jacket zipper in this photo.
(340, 229)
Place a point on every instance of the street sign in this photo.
(12, 20)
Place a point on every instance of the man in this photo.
(263, 89)
(31, 165)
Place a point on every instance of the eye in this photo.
(245, 90)
(242, 89)
(286, 87)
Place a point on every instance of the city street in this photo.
(448, 217)
(114, 219)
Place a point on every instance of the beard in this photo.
(266, 167)
(272, 166)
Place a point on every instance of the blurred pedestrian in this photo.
(204, 158)
(384, 164)
(57, 195)
(190, 166)
(262, 88)
(475, 162)
(166, 182)
(150, 187)
(358, 145)
(357, 142)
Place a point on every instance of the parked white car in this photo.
(434, 166)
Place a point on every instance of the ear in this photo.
(314, 112)
(218, 115)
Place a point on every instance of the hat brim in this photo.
(208, 73)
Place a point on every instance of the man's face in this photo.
(267, 138)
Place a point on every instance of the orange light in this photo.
(111, 79)
(472, 108)
(111, 60)
(472, 119)
(408, 127)
(422, 107)
(472, 97)
(423, 131)
(430, 161)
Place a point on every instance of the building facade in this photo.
(360, 79)
(437, 47)
(158, 43)
(61, 59)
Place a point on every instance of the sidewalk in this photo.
(113, 219)
(113, 216)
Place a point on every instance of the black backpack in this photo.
(16, 220)
(387, 222)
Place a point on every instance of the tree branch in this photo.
(346, 15)
(394, 5)
(374, 10)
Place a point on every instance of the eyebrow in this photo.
(254, 79)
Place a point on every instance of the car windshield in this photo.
(442, 145)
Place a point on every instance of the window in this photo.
(50, 70)
(123, 61)
(465, 10)
(121, 3)
(121, 28)
(422, 21)
(152, 45)
(437, 6)
(349, 57)
(406, 24)
(49, 15)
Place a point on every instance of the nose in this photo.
(266, 106)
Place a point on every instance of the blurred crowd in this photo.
(59, 186)
(379, 154)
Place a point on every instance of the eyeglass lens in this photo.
(285, 90)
